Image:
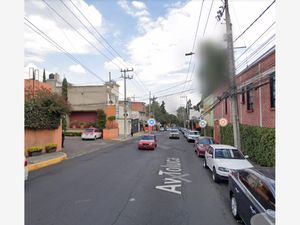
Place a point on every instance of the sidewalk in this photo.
(44, 160)
(269, 171)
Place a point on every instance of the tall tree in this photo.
(44, 76)
(162, 107)
(64, 90)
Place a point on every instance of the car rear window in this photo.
(88, 130)
(206, 141)
(194, 132)
(147, 138)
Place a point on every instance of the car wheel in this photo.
(234, 207)
(215, 176)
(205, 164)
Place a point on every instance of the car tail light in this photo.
(25, 164)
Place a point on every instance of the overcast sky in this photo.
(151, 37)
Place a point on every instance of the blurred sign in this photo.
(151, 122)
(202, 123)
(223, 122)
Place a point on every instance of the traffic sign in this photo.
(202, 123)
(223, 122)
(151, 122)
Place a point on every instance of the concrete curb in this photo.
(49, 162)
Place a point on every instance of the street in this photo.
(122, 185)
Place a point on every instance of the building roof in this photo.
(258, 60)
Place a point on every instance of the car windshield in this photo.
(194, 132)
(206, 141)
(147, 138)
(88, 130)
(228, 154)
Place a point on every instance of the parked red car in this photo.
(201, 145)
(147, 142)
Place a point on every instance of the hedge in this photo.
(257, 142)
(44, 109)
(207, 131)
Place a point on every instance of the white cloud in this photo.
(158, 53)
(138, 10)
(37, 12)
(138, 4)
(76, 68)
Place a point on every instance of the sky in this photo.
(151, 37)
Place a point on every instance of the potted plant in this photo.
(34, 151)
(51, 148)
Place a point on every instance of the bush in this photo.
(44, 109)
(257, 142)
(72, 134)
(35, 149)
(50, 146)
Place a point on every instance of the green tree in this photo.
(45, 109)
(162, 107)
(44, 76)
(101, 119)
(64, 89)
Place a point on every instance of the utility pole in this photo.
(233, 96)
(185, 111)
(125, 77)
(149, 103)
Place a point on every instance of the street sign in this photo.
(151, 122)
(223, 122)
(202, 123)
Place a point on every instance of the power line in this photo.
(211, 5)
(257, 51)
(254, 21)
(106, 41)
(61, 49)
(97, 49)
(256, 40)
(195, 37)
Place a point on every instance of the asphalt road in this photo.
(122, 185)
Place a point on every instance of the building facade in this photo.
(255, 93)
(86, 100)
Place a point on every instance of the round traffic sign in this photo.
(223, 122)
(151, 122)
(202, 123)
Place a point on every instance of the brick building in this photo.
(256, 95)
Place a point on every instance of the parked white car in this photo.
(186, 132)
(192, 135)
(90, 133)
(222, 159)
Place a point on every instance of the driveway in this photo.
(74, 146)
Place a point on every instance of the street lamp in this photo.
(190, 53)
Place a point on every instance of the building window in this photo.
(243, 96)
(272, 90)
(249, 96)
(226, 109)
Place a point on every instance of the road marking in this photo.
(175, 178)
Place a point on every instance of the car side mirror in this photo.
(246, 156)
